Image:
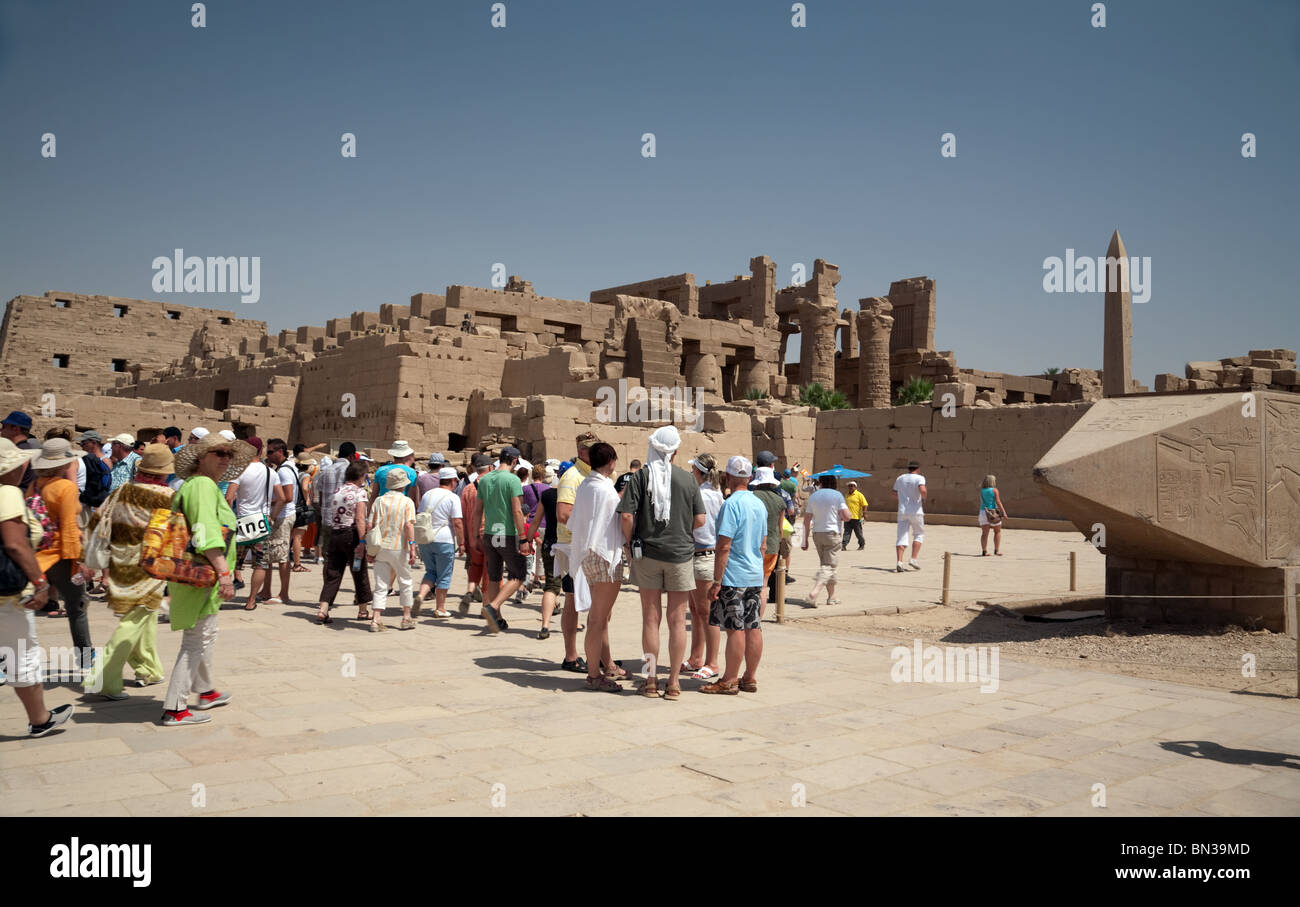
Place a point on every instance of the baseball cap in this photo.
(91, 435)
(20, 419)
(446, 472)
(739, 467)
(587, 439)
(199, 432)
(227, 434)
(256, 442)
(508, 452)
(765, 458)
(913, 464)
(480, 460)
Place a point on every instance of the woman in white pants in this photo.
(393, 552)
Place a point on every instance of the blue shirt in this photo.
(743, 519)
(381, 476)
(988, 499)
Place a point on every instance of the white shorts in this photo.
(18, 648)
(913, 522)
(984, 519)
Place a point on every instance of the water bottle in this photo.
(78, 579)
(357, 561)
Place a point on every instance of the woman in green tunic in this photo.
(212, 536)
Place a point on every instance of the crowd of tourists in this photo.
(704, 538)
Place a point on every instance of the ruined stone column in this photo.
(702, 370)
(818, 321)
(874, 326)
(751, 374)
(1117, 354)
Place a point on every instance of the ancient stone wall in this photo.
(114, 415)
(1273, 369)
(74, 344)
(955, 452)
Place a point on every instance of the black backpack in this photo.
(99, 481)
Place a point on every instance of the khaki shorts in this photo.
(648, 573)
(275, 549)
(828, 553)
(704, 567)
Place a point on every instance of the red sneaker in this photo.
(211, 699)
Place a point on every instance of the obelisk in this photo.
(1117, 350)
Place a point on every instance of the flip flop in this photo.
(252, 606)
(300, 569)
(704, 673)
(322, 618)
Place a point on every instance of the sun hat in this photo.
(524, 464)
(54, 452)
(400, 449)
(437, 459)
(395, 479)
(12, 456)
(739, 467)
(763, 475)
(20, 419)
(187, 458)
(227, 434)
(447, 472)
(91, 435)
(157, 460)
(549, 476)
(305, 459)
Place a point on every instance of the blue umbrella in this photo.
(842, 472)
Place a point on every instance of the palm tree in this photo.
(816, 395)
(918, 390)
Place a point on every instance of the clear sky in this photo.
(522, 145)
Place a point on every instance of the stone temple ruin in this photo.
(475, 368)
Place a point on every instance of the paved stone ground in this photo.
(435, 719)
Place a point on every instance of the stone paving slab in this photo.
(449, 720)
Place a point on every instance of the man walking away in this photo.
(909, 491)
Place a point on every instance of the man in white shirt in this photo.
(257, 490)
(909, 491)
(282, 517)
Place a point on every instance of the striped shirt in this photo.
(389, 515)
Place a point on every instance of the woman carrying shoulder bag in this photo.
(194, 609)
(57, 495)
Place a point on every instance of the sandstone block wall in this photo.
(87, 331)
(955, 452)
(113, 415)
(1196, 584)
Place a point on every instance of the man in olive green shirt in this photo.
(500, 503)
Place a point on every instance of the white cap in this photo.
(524, 464)
(764, 475)
(363, 458)
(400, 449)
(739, 467)
(124, 439)
(199, 432)
(227, 434)
(447, 472)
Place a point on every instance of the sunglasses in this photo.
(224, 454)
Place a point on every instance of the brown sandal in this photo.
(649, 688)
(672, 693)
(603, 685)
(748, 686)
(725, 688)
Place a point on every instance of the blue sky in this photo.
(522, 145)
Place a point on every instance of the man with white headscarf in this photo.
(661, 508)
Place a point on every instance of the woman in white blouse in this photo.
(597, 545)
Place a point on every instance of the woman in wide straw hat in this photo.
(133, 595)
(61, 550)
(212, 532)
(393, 517)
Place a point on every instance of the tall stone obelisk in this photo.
(1117, 350)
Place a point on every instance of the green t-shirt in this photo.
(207, 513)
(775, 504)
(791, 487)
(495, 492)
(671, 541)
